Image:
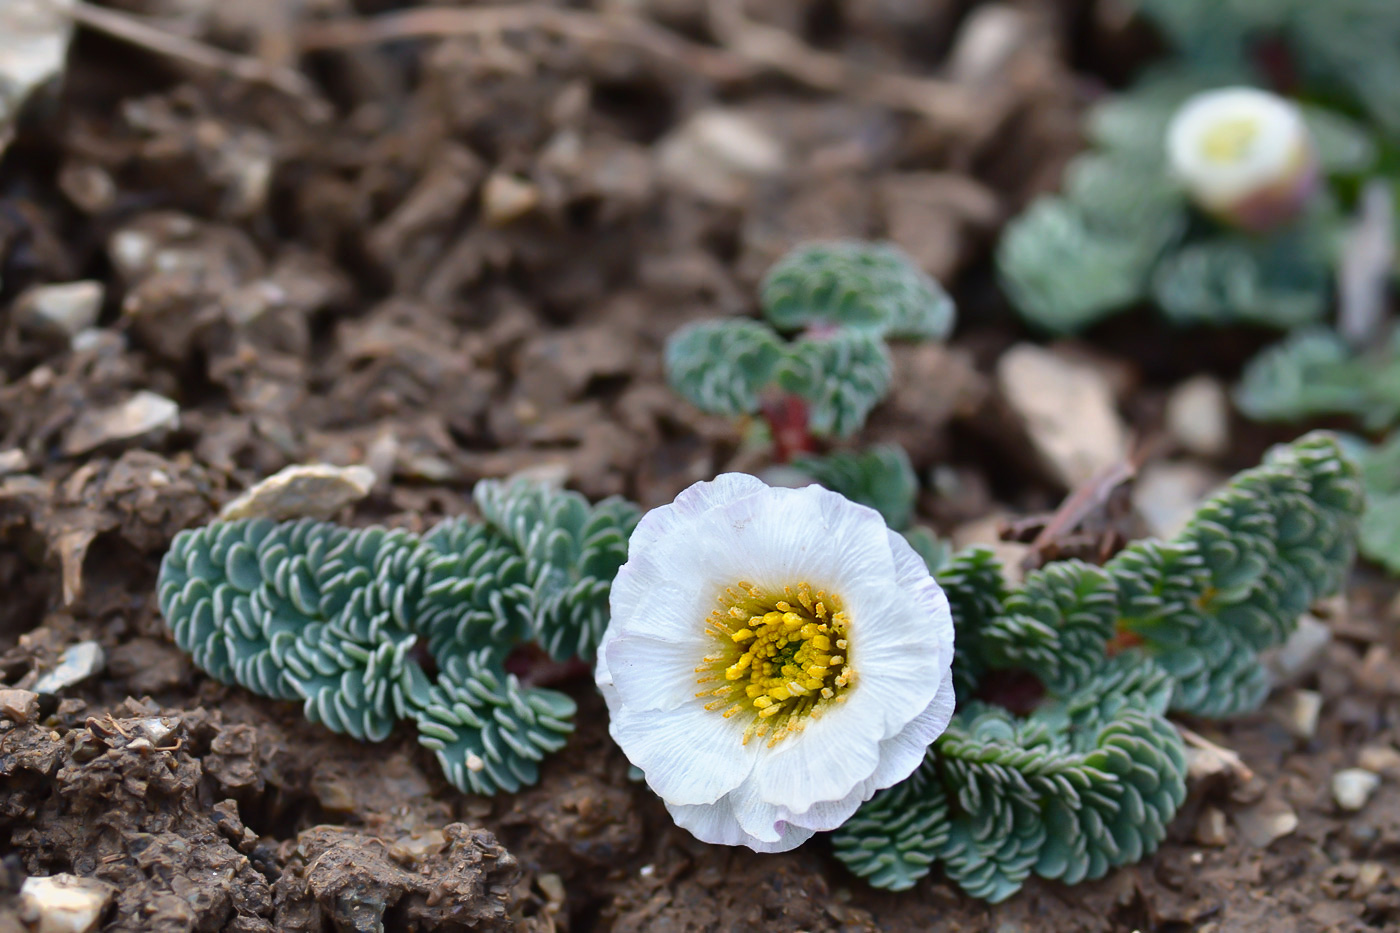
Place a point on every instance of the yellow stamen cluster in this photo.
(780, 661)
(1229, 140)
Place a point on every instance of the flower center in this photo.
(1229, 140)
(779, 660)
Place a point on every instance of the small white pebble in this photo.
(1352, 787)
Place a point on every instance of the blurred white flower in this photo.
(775, 657)
(1244, 155)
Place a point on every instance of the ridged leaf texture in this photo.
(880, 477)
(726, 367)
(1380, 525)
(722, 367)
(572, 551)
(1063, 272)
(841, 375)
(1092, 777)
(1079, 787)
(1314, 372)
(1280, 281)
(848, 283)
(367, 627)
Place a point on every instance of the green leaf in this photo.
(721, 367)
(1063, 273)
(841, 375)
(1282, 282)
(339, 618)
(849, 283)
(1313, 372)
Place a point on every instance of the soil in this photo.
(460, 258)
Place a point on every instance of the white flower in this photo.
(1244, 155)
(775, 657)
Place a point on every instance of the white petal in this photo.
(690, 755)
(899, 756)
(894, 683)
(826, 761)
(913, 578)
(723, 822)
(661, 595)
(652, 674)
(696, 500)
(603, 677)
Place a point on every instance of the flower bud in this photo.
(1245, 156)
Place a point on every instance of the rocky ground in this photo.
(448, 247)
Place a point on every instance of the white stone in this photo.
(1301, 710)
(1198, 416)
(77, 663)
(64, 310)
(1266, 822)
(988, 39)
(1352, 787)
(1166, 495)
(718, 153)
(1211, 828)
(1382, 759)
(19, 706)
(143, 413)
(34, 38)
(506, 197)
(64, 903)
(1067, 410)
(1301, 653)
(312, 490)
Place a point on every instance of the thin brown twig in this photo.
(748, 49)
(1226, 756)
(132, 29)
(770, 47)
(445, 22)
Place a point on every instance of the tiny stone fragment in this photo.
(718, 154)
(1166, 495)
(64, 903)
(1302, 653)
(1198, 416)
(13, 460)
(19, 706)
(34, 38)
(1067, 410)
(1265, 822)
(1381, 759)
(505, 198)
(1211, 828)
(314, 490)
(75, 665)
(1352, 787)
(1301, 711)
(63, 310)
(986, 43)
(143, 413)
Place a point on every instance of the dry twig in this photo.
(749, 49)
(129, 28)
(446, 22)
(1218, 757)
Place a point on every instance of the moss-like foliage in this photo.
(370, 626)
(1091, 778)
